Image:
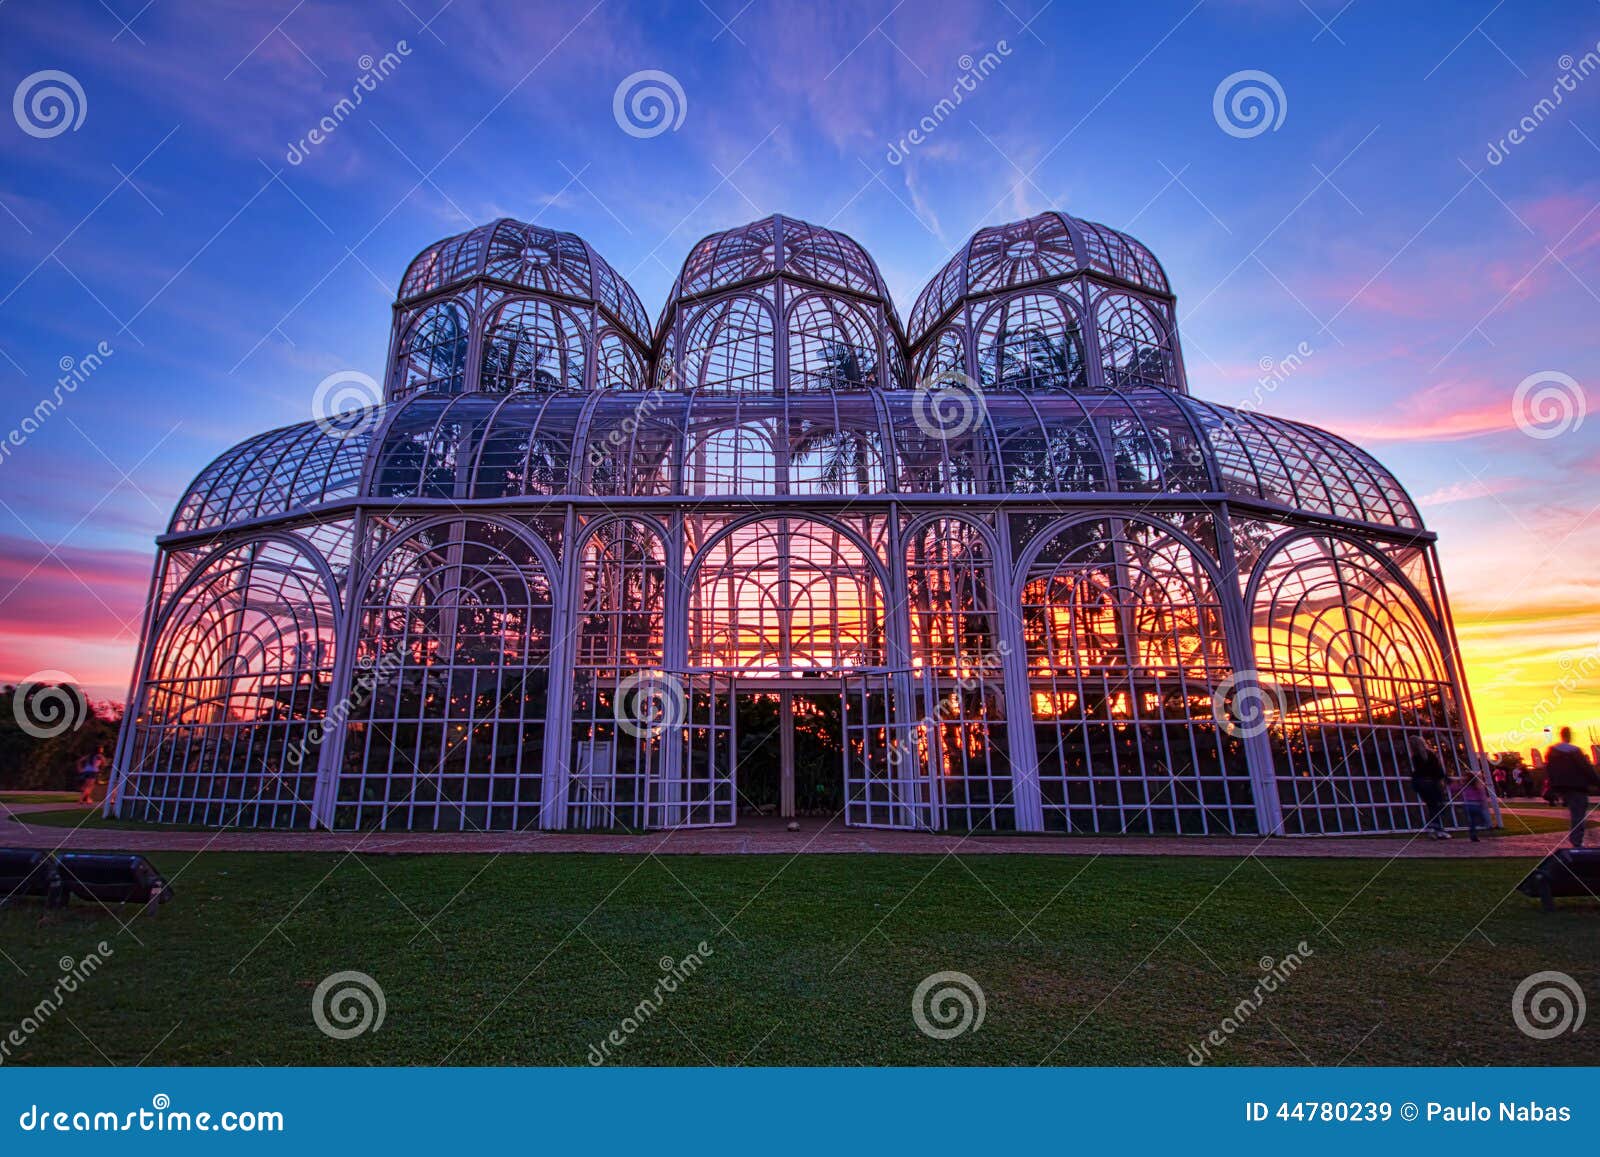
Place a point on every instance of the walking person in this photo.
(1428, 779)
(1475, 799)
(89, 774)
(1571, 775)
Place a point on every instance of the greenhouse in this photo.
(783, 557)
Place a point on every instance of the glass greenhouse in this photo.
(783, 556)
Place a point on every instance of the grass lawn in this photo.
(37, 796)
(531, 959)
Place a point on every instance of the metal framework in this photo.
(1020, 575)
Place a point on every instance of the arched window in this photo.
(1354, 671)
(447, 729)
(728, 347)
(1030, 341)
(434, 356)
(831, 345)
(532, 345)
(1125, 642)
(226, 731)
(1134, 347)
(945, 354)
(785, 594)
(617, 365)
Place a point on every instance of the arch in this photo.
(729, 346)
(531, 344)
(831, 345)
(1123, 626)
(1135, 344)
(433, 355)
(1355, 660)
(1031, 341)
(235, 685)
(778, 594)
(453, 646)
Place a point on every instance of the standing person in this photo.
(1475, 799)
(1570, 773)
(1428, 781)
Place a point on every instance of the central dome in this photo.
(779, 305)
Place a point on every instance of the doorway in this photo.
(790, 752)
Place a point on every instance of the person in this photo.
(1428, 781)
(1571, 775)
(89, 774)
(1475, 799)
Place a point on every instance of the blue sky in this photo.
(1369, 226)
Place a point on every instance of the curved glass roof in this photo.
(775, 245)
(821, 442)
(533, 258)
(1039, 249)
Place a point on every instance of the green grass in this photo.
(531, 959)
(37, 796)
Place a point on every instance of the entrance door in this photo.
(703, 795)
(885, 759)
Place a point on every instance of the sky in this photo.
(1404, 248)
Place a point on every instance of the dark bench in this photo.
(113, 878)
(27, 872)
(1569, 872)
